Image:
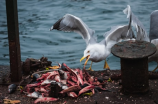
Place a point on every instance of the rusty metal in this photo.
(13, 37)
(134, 64)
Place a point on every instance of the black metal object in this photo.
(13, 37)
(134, 64)
(55, 89)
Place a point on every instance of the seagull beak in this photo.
(86, 59)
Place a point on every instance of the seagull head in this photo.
(87, 54)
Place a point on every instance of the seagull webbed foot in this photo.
(106, 66)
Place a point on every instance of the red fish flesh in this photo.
(45, 99)
(71, 88)
(85, 89)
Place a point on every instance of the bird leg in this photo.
(90, 68)
(155, 68)
(106, 66)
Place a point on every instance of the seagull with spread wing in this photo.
(141, 32)
(94, 51)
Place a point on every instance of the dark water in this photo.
(37, 16)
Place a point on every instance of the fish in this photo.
(77, 71)
(45, 94)
(85, 89)
(47, 81)
(53, 73)
(80, 79)
(11, 88)
(71, 71)
(37, 89)
(72, 94)
(64, 87)
(88, 77)
(43, 77)
(46, 86)
(63, 81)
(34, 95)
(84, 85)
(63, 67)
(34, 84)
(57, 78)
(71, 88)
(42, 89)
(71, 83)
(74, 78)
(63, 74)
(81, 74)
(45, 99)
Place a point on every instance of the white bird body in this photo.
(96, 54)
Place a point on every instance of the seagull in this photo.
(141, 32)
(95, 51)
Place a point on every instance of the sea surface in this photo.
(37, 16)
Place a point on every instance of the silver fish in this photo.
(34, 95)
(47, 81)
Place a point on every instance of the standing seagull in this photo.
(94, 51)
(141, 33)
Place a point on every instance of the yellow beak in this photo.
(86, 59)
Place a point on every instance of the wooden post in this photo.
(134, 64)
(13, 37)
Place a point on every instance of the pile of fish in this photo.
(62, 82)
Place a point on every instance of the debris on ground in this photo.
(49, 85)
(31, 64)
(8, 101)
(11, 88)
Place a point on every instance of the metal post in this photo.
(13, 37)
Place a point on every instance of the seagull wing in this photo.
(116, 34)
(141, 33)
(71, 23)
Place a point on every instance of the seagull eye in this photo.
(88, 51)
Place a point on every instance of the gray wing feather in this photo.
(71, 23)
(141, 33)
(118, 33)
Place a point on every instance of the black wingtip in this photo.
(57, 24)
